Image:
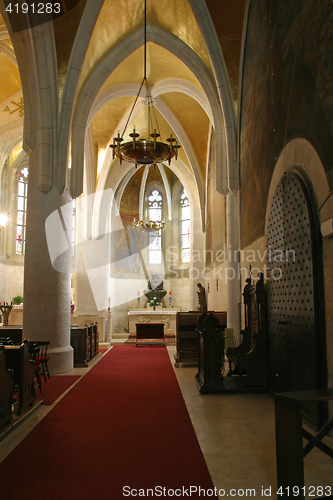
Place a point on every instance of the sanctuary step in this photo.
(119, 338)
(169, 339)
(104, 345)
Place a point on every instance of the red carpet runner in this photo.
(122, 431)
(54, 387)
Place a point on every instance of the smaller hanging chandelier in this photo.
(145, 151)
(152, 225)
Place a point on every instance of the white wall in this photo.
(13, 282)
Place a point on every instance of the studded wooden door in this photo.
(295, 345)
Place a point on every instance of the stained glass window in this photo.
(22, 194)
(185, 227)
(155, 202)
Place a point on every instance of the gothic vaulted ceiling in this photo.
(175, 84)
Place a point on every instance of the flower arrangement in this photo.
(154, 302)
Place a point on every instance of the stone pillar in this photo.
(47, 296)
(92, 261)
(233, 279)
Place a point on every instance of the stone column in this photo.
(47, 298)
(233, 281)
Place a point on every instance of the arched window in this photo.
(22, 194)
(185, 227)
(155, 202)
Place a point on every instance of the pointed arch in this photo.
(159, 88)
(110, 62)
(35, 52)
(207, 28)
(80, 46)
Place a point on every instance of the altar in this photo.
(16, 316)
(167, 316)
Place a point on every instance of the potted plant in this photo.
(17, 300)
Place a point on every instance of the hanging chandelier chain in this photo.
(132, 109)
(144, 80)
(144, 151)
(145, 44)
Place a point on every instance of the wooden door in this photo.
(295, 299)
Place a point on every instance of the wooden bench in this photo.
(15, 334)
(149, 331)
(187, 336)
(93, 336)
(6, 390)
(93, 339)
(80, 341)
(96, 337)
(18, 359)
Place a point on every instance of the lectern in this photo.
(211, 345)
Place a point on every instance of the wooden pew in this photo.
(92, 340)
(80, 342)
(96, 333)
(15, 334)
(187, 336)
(6, 389)
(18, 360)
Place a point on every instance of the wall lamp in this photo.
(3, 221)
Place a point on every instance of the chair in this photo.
(43, 357)
(34, 355)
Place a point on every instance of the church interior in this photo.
(97, 226)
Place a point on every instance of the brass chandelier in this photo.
(145, 151)
(151, 225)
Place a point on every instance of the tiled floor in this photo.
(236, 434)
